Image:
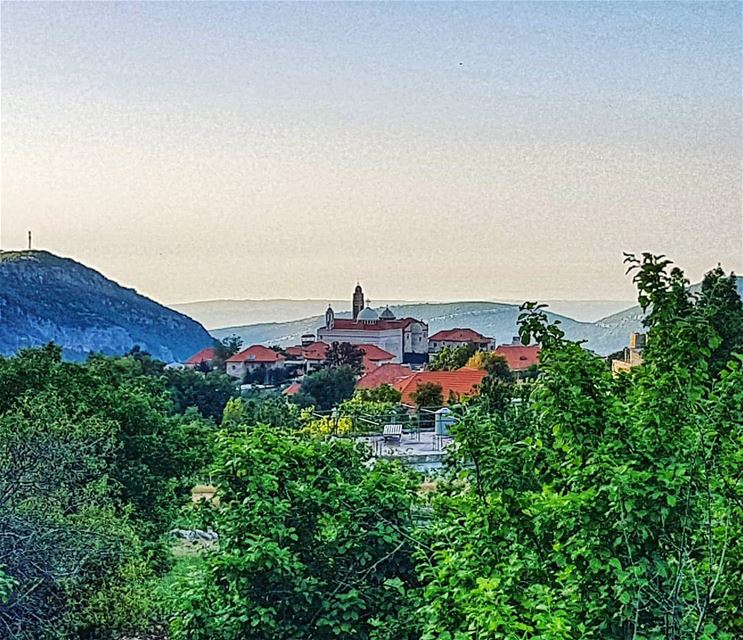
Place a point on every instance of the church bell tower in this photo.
(358, 301)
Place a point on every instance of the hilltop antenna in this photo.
(29, 240)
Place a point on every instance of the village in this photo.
(396, 352)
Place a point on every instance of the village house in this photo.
(389, 373)
(204, 357)
(458, 337)
(406, 338)
(310, 357)
(631, 356)
(253, 358)
(520, 358)
(455, 385)
(307, 357)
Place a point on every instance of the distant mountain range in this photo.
(215, 314)
(493, 319)
(45, 298)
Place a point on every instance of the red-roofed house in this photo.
(519, 357)
(251, 359)
(294, 353)
(458, 337)
(315, 352)
(459, 383)
(374, 356)
(308, 356)
(205, 356)
(384, 374)
(292, 389)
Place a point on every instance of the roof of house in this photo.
(387, 373)
(294, 352)
(257, 353)
(315, 351)
(518, 356)
(458, 335)
(205, 355)
(373, 352)
(374, 356)
(292, 389)
(379, 325)
(462, 382)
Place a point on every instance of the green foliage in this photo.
(226, 348)
(598, 507)
(722, 307)
(313, 544)
(94, 465)
(382, 393)
(429, 395)
(344, 354)
(452, 358)
(369, 416)
(326, 388)
(64, 538)
(268, 408)
(207, 392)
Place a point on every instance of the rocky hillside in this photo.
(45, 298)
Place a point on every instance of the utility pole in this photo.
(29, 240)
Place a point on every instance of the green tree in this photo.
(429, 395)
(722, 306)
(207, 392)
(344, 354)
(225, 349)
(327, 387)
(452, 358)
(64, 541)
(382, 393)
(313, 544)
(598, 507)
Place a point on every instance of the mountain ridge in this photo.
(48, 298)
(220, 313)
(493, 319)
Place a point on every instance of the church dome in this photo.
(368, 315)
(387, 314)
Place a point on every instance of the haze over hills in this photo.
(46, 298)
(492, 319)
(216, 314)
(497, 320)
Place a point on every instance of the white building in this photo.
(406, 338)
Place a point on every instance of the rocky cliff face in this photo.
(45, 298)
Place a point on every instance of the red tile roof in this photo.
(388, 373)
(458, 335)
(205, 355)
(292, 389)
(315, 351)
(462, 382)
(375, 353)
(379, 325)
(518, 356)
(257, 353)
(294, 352)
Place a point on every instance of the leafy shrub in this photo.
(313, 543)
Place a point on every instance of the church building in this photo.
(405, 338)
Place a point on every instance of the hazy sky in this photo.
(431, 151)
